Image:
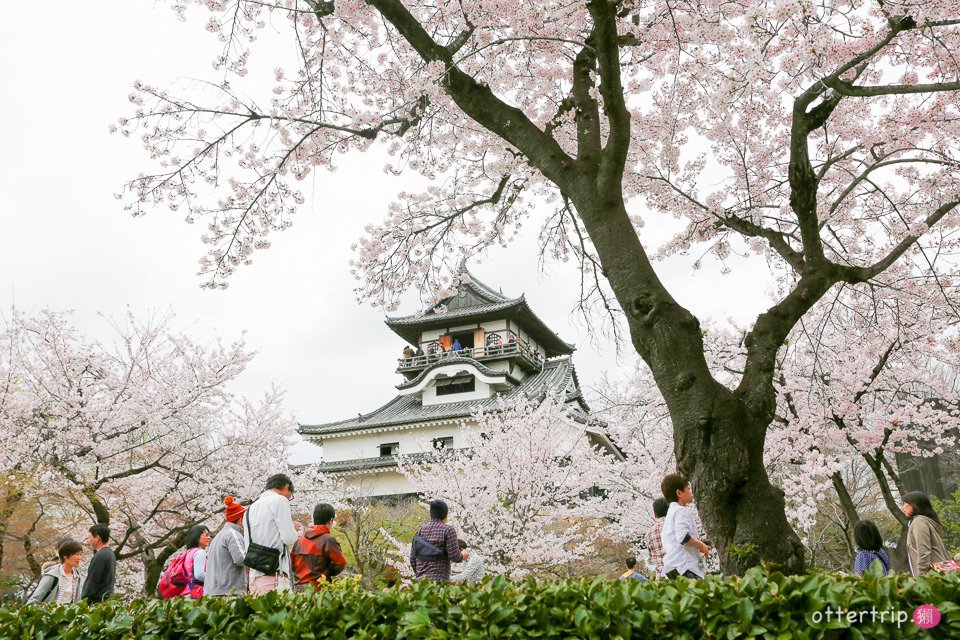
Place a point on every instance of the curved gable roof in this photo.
(553, 379)
(478, 302)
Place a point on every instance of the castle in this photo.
(483, 345)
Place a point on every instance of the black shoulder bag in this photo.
(260, 557)
(426, 550)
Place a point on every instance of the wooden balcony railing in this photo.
(487, 352)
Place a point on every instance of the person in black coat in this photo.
(102, 572)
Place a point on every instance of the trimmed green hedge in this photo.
(757, 605)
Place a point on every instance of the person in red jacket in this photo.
(316, 555)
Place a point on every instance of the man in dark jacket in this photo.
(316, 555)
(432, 560)
(102, 572)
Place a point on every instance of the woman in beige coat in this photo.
(924, 541)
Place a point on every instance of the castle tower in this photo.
(483, 345)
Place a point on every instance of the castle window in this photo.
(389, 449)
(443, 443)
(455, 384)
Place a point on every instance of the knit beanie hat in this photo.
(438, 509)
(235, 510)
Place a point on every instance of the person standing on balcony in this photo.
(456, 345)
(408, 352)
(418, 352)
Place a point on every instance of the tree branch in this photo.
(862, 274)
(477, 100)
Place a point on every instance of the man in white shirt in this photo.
(681, 547)
(269, 522)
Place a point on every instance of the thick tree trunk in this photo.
(898, 558)
(13, 495)
(720, 448)
(718, 436)
(28, 550)
(153, 565)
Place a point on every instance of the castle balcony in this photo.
(496, 348)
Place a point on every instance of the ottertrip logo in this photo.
(925, 616)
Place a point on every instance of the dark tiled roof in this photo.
(362, 464)
(467, 312)
(367, 464)
(478, 302)
(553, 379)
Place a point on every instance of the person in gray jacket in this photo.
(60, 583)
(924, 541)
(226, 573)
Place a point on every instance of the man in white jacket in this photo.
(270, 523)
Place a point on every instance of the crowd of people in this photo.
(261, 548)
(675, 549)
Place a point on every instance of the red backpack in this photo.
(177, 578)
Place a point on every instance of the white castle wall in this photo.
(367, 445)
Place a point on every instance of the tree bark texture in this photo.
(13, 495)
(718, 436)
(153, 565)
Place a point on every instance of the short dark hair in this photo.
(193, 536)
(660, 507)
(438, 509)
(68, 548)
(101, 531)
(672, 483)
(279, 481)
(462, 544)
(631, 562)
(867, 536)
(323, 513)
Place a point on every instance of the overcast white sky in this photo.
(66, 243)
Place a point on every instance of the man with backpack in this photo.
(226, 573)
(435, 546)
(316, 555)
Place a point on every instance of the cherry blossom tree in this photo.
(144, 436)
(870, 373)
(20, 470)
(820, 136)
(638, 422)
(523, 490)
